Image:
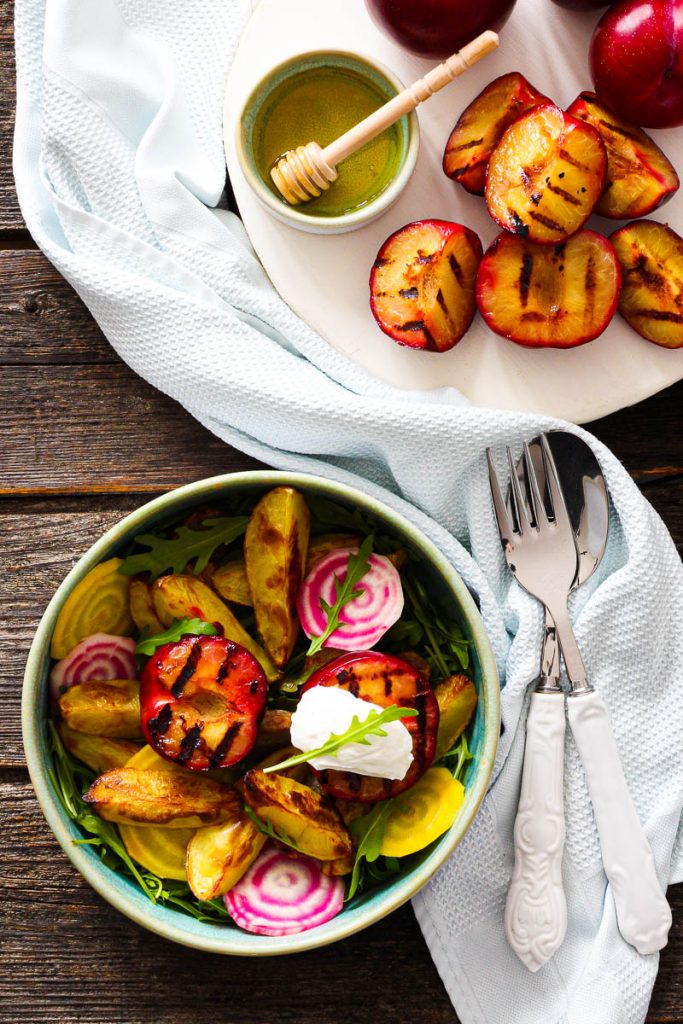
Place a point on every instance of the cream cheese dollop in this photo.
(324, 710)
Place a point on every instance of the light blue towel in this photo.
(118, 162)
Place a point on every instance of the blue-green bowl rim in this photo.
(220, 939)
(297, 214)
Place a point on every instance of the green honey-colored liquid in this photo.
(319, 104)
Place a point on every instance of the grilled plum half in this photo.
(202, 700)
(480, 127)
(545, 175)
(549, 297)
(651, 257)
(422, 284)
(383, 680)
(639, 176)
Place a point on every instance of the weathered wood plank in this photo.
(42, 320)
(383, 975)
(99, 428)
(10, 215)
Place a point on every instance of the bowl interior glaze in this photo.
(368, 907)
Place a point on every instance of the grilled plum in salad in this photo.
(202, 700)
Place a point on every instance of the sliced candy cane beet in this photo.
(384, 680)
(99, 656)
(283, 895)
(363, 621)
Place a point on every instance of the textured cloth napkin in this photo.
(119, 162)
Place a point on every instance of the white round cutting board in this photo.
(325, 278)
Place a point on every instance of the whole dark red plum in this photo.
(582, 5)
(636, 60)
(437, 28)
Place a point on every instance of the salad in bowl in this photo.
(269, 709)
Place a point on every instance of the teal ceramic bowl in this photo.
(363, 910)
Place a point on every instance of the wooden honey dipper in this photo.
(306, 172)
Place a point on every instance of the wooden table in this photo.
(82, 442)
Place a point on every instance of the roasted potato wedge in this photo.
(341, 866)
(304, 816)
(218, 856)
(103, 708)
(134, 796)
(142, 607)
(99, 752)
(275, 548)
(177, 597)
(457, 700)
(273, 731)
(230, 581)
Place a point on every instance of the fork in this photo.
(541, 552)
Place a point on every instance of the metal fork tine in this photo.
(504, 525)
(517, 497)
(535, 497)
(558, 505)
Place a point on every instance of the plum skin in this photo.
(437, 28)
(636, 61)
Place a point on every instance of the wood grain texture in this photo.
(42, 320)
(10, 215)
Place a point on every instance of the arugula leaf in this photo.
(460, 753)
(357, 567)
(368, 832)
(172, 554)
(269, 829)
(356, 733)
(445, 646)
(147, 645)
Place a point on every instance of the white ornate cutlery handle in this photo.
(643, 914)
(536, 909)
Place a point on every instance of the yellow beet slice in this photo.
(423, 813)
(187, 597)
(98, 604)
(275, 548)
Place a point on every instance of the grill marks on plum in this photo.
(189, 743)
(225, 744)
(659, 314)
(525, 277)
(159, 726)
(547, 222)
(456, 270)
(187, 671)
(408, 293)
(520, 227)
(470, 144)
(563, 194)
